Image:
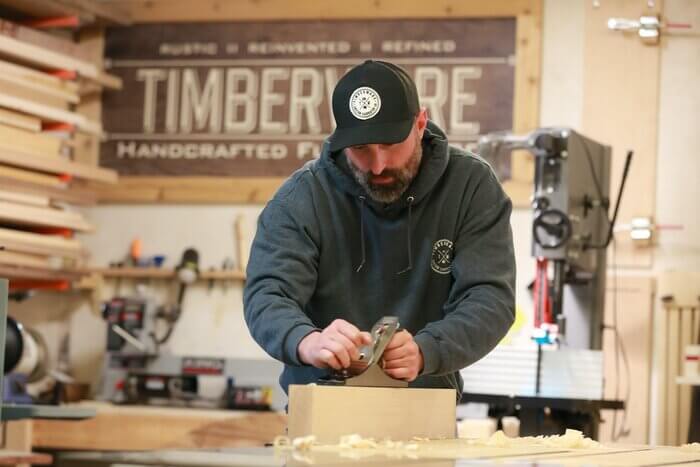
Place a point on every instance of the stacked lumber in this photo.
(49, 134)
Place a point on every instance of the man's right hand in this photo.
(334, 347)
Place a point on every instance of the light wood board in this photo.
(29, 242)
(20, 120)
(44, 217)
(57, 165)
(329, 412)
(620, 108)
(141, 428)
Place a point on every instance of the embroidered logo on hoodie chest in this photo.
(441, 260)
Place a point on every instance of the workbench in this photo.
(132, 428)
(447, 453)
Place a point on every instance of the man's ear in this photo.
(422, 120)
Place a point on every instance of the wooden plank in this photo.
(329, 412)
(87, 148)
(47, 8)
(19, 437)
(526, 100)
(21, 458)
(147, 428)
(43, 58)
(26, 215)
(29, 242)
(39, 77)
(621, 85)
(44, 40)
(34, 144)
(49, 113)
(58, 165)
(19, 120)
(13, 258)
(213, 10)
(35, 183)
(16, 273)
(37, 91)
(111, 13)
(23, 198)
(635, 328)
(34, 178)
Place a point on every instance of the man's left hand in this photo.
(402, 357)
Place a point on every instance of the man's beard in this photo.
(388, 193)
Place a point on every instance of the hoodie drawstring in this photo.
(362, 232)
(410, 200)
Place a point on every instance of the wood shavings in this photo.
(304, 443)
(692, 447)
(281, 441)
(356, 441)
(572, 439)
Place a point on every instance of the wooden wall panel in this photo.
(632, 298)
(526, 98)
(620, 108)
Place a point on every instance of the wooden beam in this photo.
(49, 113)
(72, 193)
(58, 166)
(28, 242)
(114, 14)
(241, 10)
(45, 79)
(23, 198)
(19, 120)
(17, 272)
(43, 217)
(28, 177)
(43, 8)
(28, 260)
(44, 40)
(44, 58)
(37, 91)
(35, 144)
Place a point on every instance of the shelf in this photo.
(165, 273)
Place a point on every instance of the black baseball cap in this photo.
(374, 103)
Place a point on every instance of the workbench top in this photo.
(430, 453)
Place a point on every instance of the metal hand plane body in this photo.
(366, 370)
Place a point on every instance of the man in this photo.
(390, 220)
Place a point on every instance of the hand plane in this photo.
(367, 370)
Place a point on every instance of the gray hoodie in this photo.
(451, 227)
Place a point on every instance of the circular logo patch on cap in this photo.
(365, 103)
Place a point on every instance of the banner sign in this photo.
(254, 99)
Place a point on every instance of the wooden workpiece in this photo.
(329, 412)
(140, 428)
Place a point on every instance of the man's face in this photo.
(386, 170)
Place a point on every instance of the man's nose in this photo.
(378, 160)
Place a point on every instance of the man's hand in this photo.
(402, 357)
(334, 347)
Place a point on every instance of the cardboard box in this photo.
(329, 412)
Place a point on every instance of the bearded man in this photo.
(390, 220)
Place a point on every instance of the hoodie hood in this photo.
(432, 167)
